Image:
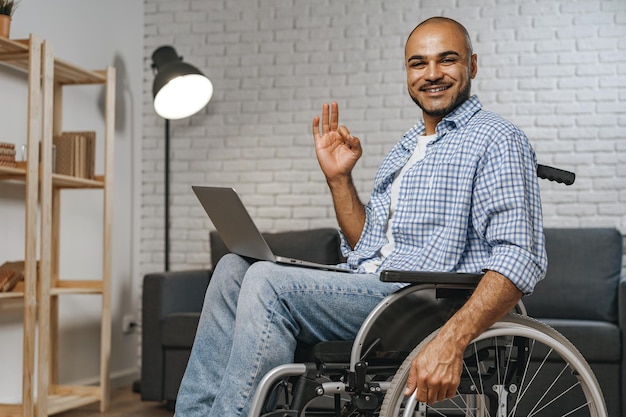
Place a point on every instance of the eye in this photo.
(417, 64)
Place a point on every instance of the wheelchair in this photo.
(517, 367)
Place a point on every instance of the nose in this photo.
(433, 72)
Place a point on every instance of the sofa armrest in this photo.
(621, 321)
(621, 303)
(165, 293)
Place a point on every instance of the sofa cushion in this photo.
(316, 245)
(584, 267)
(597, 341)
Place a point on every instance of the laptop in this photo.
(237, 229)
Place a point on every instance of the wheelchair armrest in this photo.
(448, 280)
(431, 277)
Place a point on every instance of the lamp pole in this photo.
(167, 195)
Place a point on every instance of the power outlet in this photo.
(128, 324)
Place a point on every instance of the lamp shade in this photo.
(179, 89)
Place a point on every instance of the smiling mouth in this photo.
(434, 88)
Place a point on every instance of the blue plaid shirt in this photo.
(472, 204)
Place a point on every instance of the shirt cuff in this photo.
(521, 267)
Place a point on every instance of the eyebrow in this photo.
(440, 55)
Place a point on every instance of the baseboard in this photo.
(124, 378)
(119, 379)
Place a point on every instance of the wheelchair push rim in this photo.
(518, 392)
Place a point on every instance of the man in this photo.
(457, 193)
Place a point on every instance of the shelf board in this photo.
(65, 398)
(68, 181)
(10, 410)
(68, 397)
(62, 287)
(58, 403)
(11, 295)
(15, 293)
(14, 54)
(58, 180)
(70, 286)
(11, 173)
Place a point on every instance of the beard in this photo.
(460, 98)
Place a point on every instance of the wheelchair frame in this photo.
(367, 396)
(370, 397)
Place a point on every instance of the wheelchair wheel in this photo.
(518, 367)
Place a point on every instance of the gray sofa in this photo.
(583, 296)
(172, 301)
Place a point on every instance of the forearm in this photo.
(349, 209)
(435, 372)
(493, 298)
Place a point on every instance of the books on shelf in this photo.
(75, 154)
(7, 154)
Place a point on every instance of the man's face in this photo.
(439, 69)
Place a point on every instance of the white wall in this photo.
(557, 68)
(92, 35)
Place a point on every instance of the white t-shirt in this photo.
(418, 154)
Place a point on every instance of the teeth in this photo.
(435, 90)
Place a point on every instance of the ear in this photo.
(473, 66)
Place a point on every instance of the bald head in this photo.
(446, 21)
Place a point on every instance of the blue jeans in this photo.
(253, 315)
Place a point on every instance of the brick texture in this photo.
(556, 68)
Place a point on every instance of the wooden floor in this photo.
(124, 403)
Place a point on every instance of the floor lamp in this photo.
(179, 90)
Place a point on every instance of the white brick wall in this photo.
(557, 68)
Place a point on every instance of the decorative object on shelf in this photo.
(8, 280)
(7, 8)
(7, 154)
(10, 274)
(179, 90)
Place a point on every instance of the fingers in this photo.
(346, 137)
(428, 395)
(316, 127)
(433, 395)
(411, 384)
(325, 119)
(330, 118)
(344, 132)
(430, 384)
(348, 140)
(429, 391)
(334, 116)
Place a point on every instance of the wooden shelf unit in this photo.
(41, 292)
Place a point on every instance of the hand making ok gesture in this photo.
(336, 149)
